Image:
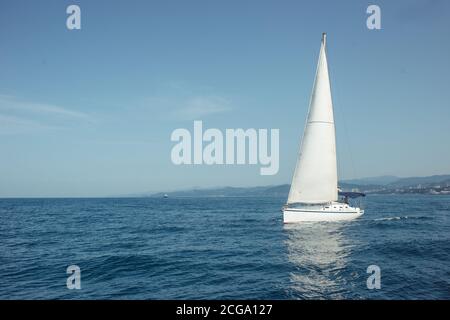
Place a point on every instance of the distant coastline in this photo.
(383, 185)
(435, 185)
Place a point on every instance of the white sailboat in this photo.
(314, 191)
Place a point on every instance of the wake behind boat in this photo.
(314, 191)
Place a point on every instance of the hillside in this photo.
(437, 184)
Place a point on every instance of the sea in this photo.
(222, 248)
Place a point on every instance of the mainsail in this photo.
(315, 176)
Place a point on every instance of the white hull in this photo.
(333, 212)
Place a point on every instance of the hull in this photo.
(338, 213)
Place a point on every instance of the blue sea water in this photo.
(221, 248)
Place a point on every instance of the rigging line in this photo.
(344, 122)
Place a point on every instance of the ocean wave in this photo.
(403, 218)
(188, 249)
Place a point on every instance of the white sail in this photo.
(315, 176)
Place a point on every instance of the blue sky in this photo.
(89, 112)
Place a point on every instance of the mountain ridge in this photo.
(427, 184)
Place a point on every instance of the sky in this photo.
(90, 112)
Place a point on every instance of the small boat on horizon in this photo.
(314, 194)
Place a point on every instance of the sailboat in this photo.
(314, 194)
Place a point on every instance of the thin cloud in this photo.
(15, 125)
(21, 116)
(178, 100)
(124, 142)
(14, 104)
(201, 106)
